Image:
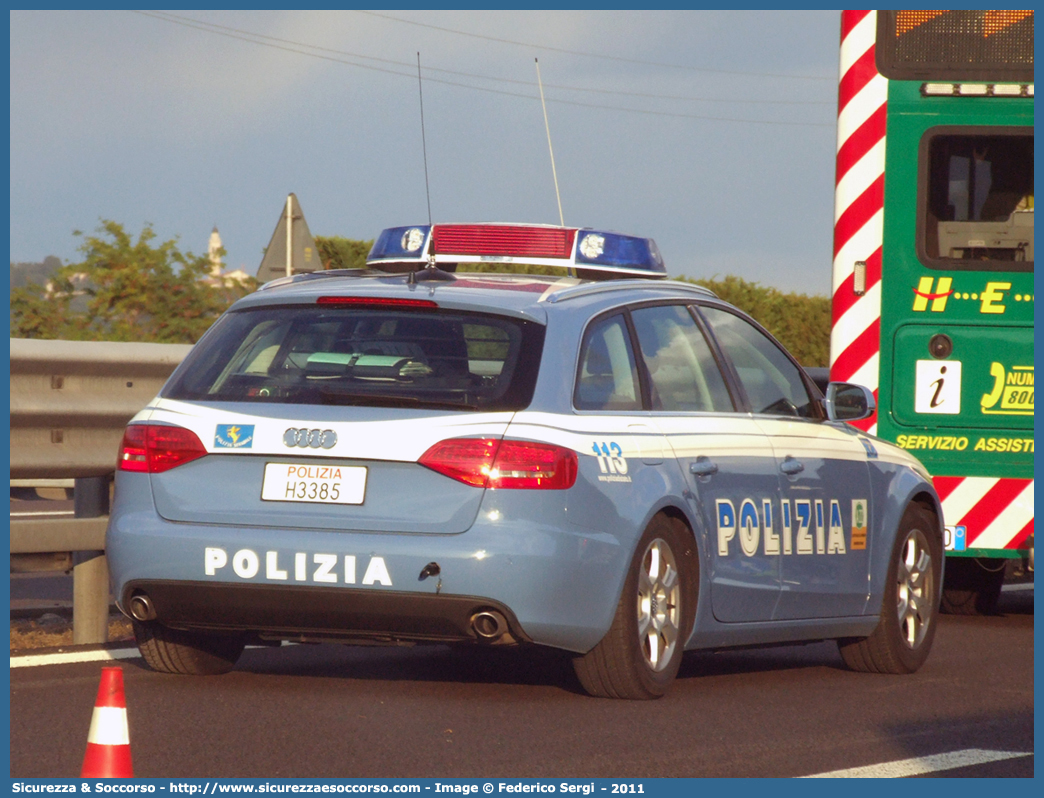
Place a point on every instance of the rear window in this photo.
(372, 357)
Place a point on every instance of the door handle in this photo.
(790, 466)
(703, 467)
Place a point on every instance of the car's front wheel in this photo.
(191, 653)
(640, 654)
(903, 637)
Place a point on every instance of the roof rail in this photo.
(586, 289)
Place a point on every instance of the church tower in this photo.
(212, 250)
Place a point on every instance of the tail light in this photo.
(492, 463)
(151, 448)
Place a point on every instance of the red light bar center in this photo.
(502, 240)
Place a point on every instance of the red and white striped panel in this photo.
(997, 513)
(855, 336)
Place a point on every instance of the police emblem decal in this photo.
(234, 436)
(859, 523)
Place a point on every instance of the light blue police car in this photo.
(624, 469)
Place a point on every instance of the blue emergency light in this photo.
(400, 245)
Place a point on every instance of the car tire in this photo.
(903, 637)
(640, 654)
(176, 651)
(972, 586)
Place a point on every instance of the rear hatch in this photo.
(315, 417)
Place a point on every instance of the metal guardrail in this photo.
(70, 402)
(35, 536)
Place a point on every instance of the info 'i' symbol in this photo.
(936, 401)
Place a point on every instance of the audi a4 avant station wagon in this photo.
(609, 463)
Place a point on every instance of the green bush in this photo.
(800, 322)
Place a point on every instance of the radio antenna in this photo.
(424, 146)
(547, 127)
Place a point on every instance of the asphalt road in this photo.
(433, 712)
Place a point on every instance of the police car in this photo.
(624, 469)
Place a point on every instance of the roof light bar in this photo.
(542, 245)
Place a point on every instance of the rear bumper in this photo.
(309, 613)
(556, 581)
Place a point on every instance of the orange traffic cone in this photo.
(108, 742)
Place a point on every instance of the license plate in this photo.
(318, 484)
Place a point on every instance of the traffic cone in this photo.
(108, 742)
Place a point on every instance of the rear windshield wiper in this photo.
(332, 397)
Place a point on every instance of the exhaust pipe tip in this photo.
(489, 625)
(141, 607)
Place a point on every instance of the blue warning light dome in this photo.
(400, 245)
(621, 253)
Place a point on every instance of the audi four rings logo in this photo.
(310, 438)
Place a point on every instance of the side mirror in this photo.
(847, 402)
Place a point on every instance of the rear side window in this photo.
(608, 378)
(372, 357)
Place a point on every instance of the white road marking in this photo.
(919, 766)
(48, 513)
(97, 655)
(67, 657)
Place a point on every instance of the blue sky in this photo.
(710, 131)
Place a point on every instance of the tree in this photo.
(337, 252)
(125, 290)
